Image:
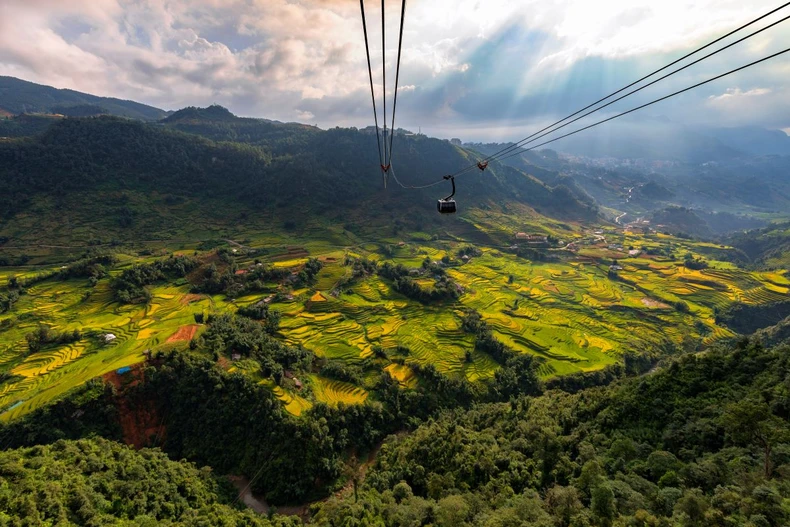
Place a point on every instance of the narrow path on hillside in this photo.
(242, 484)
(258, 503)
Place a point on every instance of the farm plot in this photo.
(346, 328)
(333, 392)
(46, 374)
(572, 313)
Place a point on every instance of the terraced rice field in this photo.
(369, 314)
(45, 375)
(293, 403)
(570, 313)
(333, 392)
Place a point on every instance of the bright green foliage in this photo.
(129, 288)
(99, 482)
(684, 446)
(250, 338)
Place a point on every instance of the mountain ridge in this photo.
(18, 96)
(294, 171)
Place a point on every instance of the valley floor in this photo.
(601, 294)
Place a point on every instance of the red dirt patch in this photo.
(224, 363)
(122, 380)
(140, 423)
(188, 299)
(184, 333)
(4, 113)
(141, 427)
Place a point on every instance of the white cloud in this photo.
(737, 92)
(304, 59)
(737, 106)
(305, 116)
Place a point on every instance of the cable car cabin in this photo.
(446, 206)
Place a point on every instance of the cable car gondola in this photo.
(447, 205)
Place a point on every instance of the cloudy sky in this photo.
(478, 69)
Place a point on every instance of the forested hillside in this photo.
(18, 96)
(335, 169)
(727, 194)
(218, 124)
(26, 125)
(769, 246)
(100, 482)
(702, 441)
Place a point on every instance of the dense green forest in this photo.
(101, 482)
(218, 124)
(705, 440)
(25, 125)
(702, 442)
(746, 319)
(250, 161)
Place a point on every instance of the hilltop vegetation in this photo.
(703, 441)
(766, 247)
(702, 224)
(112, 154)
(100, 482)
(700, 443)
(26, 125)
(18, 96)
(746, 319)
(254, 164)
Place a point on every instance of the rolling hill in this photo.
(101, 167)
(662, 139)
(18, 96)
(728, 188)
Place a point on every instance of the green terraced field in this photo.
(569, 312)
(333, 392)
(45, 375)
